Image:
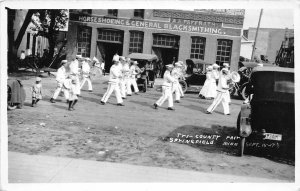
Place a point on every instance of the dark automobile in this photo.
(15, 94)
(195, 74)
(267, 123)
(147, 63)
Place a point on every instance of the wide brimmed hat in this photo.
(178, 64)
(226, 65)
(78, 56)
(209, 68)
(215, 65)
(38, 79)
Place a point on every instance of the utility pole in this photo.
(253, 50)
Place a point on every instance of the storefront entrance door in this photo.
(107, 51)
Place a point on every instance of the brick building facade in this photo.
(207, 36)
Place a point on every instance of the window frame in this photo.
(139, 13)
(86, 43)
(198, 49)
(112, 12)
(139, 43)
(222, 55)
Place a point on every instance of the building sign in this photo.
(239, 12)
(195, 23)
(208, 17)
(147, 24)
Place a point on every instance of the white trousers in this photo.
(90, 87)
(123, 88)
(77, 86)
(60, 88)
(221, 96)
(132, 81)
(166, 94)
(112, 87)
(180, 90)
(176, 90)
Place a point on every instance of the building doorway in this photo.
(107, 50)
(110, 42)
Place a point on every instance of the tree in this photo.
(48, 23)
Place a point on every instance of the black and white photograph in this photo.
(138, 92)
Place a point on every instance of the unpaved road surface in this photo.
(133, 134)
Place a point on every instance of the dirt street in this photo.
(133, 134)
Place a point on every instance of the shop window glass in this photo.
(84, 41)
(224, 48)
(198, 48)
(136, 42)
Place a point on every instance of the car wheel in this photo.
(184, 85)
(244, 92)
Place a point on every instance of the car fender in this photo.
(245, 121)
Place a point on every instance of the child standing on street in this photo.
(36, 90)
(70, 85)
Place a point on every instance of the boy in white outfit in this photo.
(222, 93)
(86, 74)
(176, 73)
(60, 78)
(132, 79)
(113, 82)
(166, 89)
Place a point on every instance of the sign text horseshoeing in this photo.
(154, 25)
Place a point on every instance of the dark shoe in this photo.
(227, 114)
(207, 112)
(102, 102)
(136, 93)
(171, 108)
(128, 94)
(155, 106)
(90, 90)
(120, 104)
(123, 97)
(181, 96)
(177, 101)
(52, 100)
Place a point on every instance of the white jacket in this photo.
(74, 67)
(61, 74)
(222, 85)
(176, 73)
(115, 74)
(168, 79)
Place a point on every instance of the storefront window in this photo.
(223, 51)
(167, 41)
(136, 42)
(198, 47)
(106, 35)
(84, 40)
(112, 12)
(139, 13)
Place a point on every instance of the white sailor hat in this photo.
(215, 65)
(135, 63)
(38, 79)
(178, 64)
(95, 59)
(209, 68)
(169, 66)
(78, 56)
(226, 65)
(122, 58)
(116, 58)
(225, 70)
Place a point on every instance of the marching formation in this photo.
(71, 77)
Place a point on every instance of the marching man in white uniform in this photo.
(75, 71)
(132, 79)
(60, 78)
(125, 71)
(176, 73)
(222, 93)
(226, 65)
(86, 74)
(166, 89)
(115, 75)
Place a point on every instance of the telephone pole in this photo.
(253, 50)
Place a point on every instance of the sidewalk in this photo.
(24, 168)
